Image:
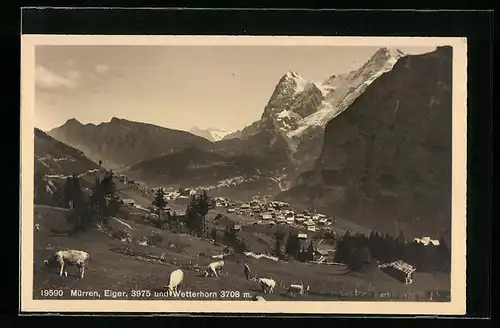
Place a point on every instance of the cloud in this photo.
(47, 79)
(101, 68)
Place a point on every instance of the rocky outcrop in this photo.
(386, 160)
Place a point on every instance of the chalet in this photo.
(299, 219)
(311, 228)
(245, 206)
(290, 219)
(399, 270)
(302, 236)
(426, 241)
(230, 210)
(128, 201)
(266, 216)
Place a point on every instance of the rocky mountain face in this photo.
(295, 116)
(211, 134)
(386, 161)
(232, 135)
(121, 142)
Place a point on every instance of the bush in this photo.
(155, 239)
(122, 235)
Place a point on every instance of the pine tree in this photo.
(310, 252)
(159, 202)
(292, 246)
(104, 201)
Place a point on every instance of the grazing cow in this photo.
(176, 278)
(259, 298)
(80, 259)
(292, 289)
(213, 267)
(267, 285)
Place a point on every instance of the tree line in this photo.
(196, 212)
(357, 249)
(101, 204)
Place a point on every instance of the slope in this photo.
(54, 161)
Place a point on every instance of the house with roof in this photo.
(302, 236)
(426, 241)
(128, 201)
(266, 216)
(399, 270)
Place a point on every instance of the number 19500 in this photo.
(51, 292)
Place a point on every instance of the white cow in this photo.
(292, 289)
(213, 267)
(176, 278)
(259, 298)
(80, 259)
(267, 285)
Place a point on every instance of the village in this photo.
(312, 228)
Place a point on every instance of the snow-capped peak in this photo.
(210, 133)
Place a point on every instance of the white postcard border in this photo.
(456, 306)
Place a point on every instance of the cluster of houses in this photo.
(276, 212)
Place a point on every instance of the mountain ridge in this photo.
(120, 142)
(211, 133)
(387, 158)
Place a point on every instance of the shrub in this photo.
(155, 239)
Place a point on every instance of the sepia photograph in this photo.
(319, 174)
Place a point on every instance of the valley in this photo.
(365, 155)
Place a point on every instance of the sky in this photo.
(177, 87)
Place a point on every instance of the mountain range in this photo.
(298, 110)
(386, 161)
(211, 134)
(121, 143)
(365, 144)
(286, 140)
